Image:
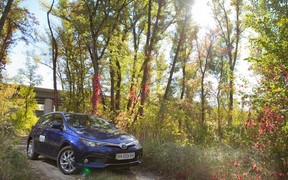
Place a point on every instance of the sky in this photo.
(201, 15)
(17, 53)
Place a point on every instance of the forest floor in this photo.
(47, 169)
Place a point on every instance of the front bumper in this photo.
(105, 157)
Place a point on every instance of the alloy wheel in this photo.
(67, 161)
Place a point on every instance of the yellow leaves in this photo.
(6, 105)
(17, 106)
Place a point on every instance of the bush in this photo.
(13, 164)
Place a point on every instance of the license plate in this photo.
(124, 156)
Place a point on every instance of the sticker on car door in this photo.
(42, 138)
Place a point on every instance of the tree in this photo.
(27, 79)
(8, 104)
(268, 116)
(118, 54)
(231, 30)
(97, 27)
(183, 34)
(18, 20)
(103, 19)
(204, 58)
(182, 48)
(137, 20)
(5, 14)
(220, 70)
(74, 69)
(54, 57)
(156, 25)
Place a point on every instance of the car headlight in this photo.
(136, 142)
(90, 143)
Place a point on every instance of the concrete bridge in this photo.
(45, 99)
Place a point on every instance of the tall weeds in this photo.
(13, 164)
(176, 161)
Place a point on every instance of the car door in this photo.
(40, 134)
(54, 136)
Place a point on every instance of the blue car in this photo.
(80, 140)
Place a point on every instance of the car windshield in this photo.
(87, 121)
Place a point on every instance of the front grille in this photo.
(118, 147)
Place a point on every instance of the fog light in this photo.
(86, 161)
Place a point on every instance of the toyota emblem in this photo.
(123, 146)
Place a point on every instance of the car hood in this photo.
(105, 135)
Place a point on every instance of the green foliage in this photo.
(25, 117)
(18, 105)
(267, 125)
(8, 102)
(13, 164)
(19, 25)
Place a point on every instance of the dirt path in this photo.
(47, 169)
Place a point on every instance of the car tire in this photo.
(31, 154)
(65, 161)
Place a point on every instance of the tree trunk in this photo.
(231, 98)
(4, 46)
(231, 42)
(5, 15)
(96, 96)
(172, 70)
(183, 80)
(202, 100)
(112, 89)
(180, 41)
(219, 116)
(132, 91)
(118, 86)
(146, 64)
(54, 58)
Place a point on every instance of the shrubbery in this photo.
(176, 161)
(13, 164)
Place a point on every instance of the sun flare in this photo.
(201, 13)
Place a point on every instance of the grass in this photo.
(13, 164)
(108, 174)
(176, 161)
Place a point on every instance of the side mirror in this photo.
(57, 126)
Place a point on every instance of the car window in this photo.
(41, 119)
(45, 120)
(50, 119)
(56, 118)
(87, 121)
